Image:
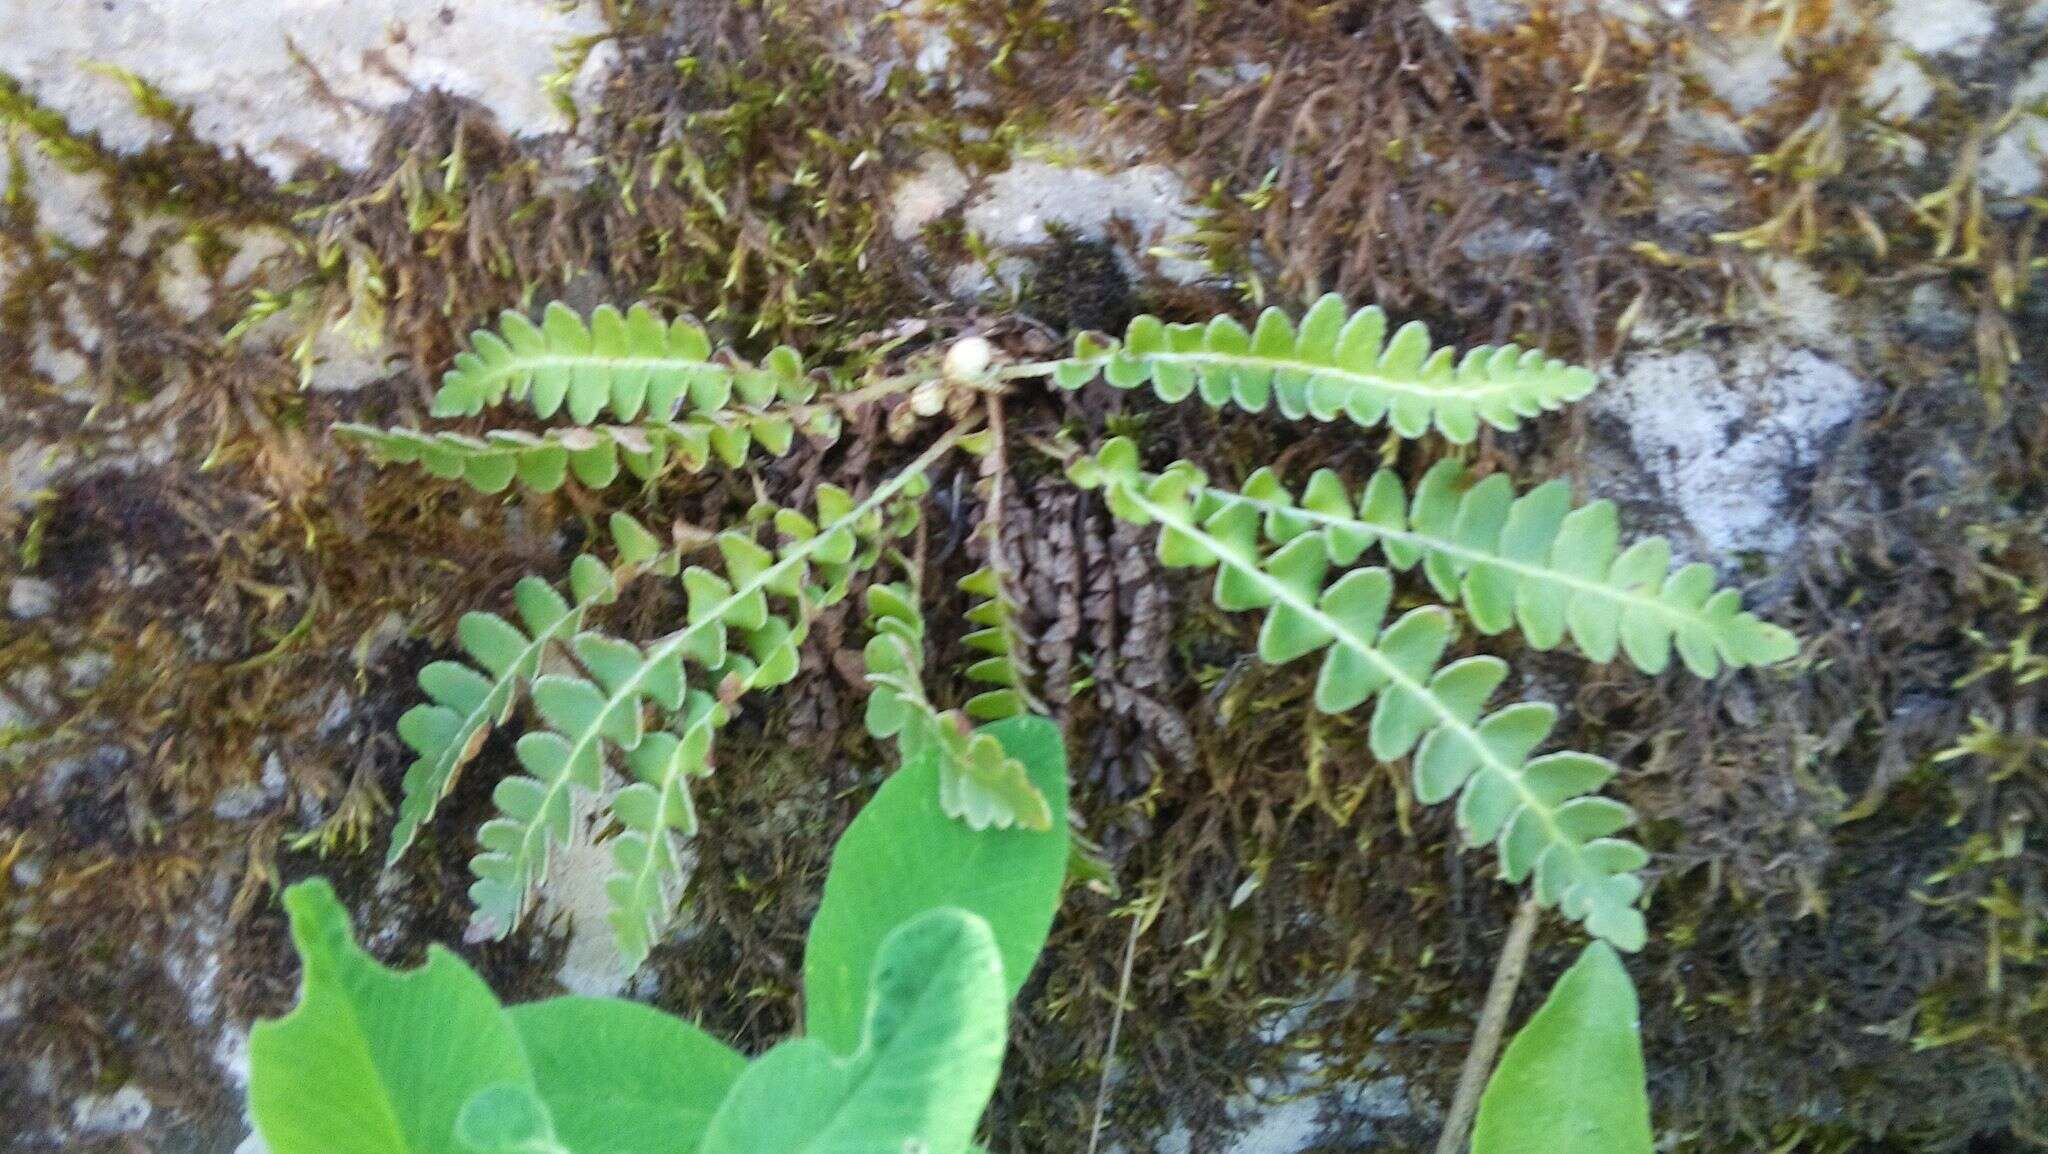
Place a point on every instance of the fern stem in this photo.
(1493, 1023)
(1393, 673)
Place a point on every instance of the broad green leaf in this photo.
(622, 1078)
(374, 1061)
(1572, 1081)
(903, 856)
(508, 1118)
(928, 1052)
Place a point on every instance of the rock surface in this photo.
(287, 82)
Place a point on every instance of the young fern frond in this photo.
(652, 812)
(464, 703)
(1531, 561)
(645, 372)
(590, 713)
(594, 454)
(631, 363)
(978, 783)
(997, 635)
(1540, 812)
(1336, 362)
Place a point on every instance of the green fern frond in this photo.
(1335, 362)
(589, 713)
(652, 812)
(1005, 667)
(1539, 812)
(978, 783)
(1531, 561)
(464, 703)
(631, 363)
(593, 454)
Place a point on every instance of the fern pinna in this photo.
(630, 724)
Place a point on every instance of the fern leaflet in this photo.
(631, 363)
(1540, 813)
(978, 783)
(1005, 668)
(652, 812)
(601, 708)
(1335, 362)
(1530, 561)
(594, 455)
(463, 704)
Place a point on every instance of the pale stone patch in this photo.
(925, 194)
(2012, 166)
(1725, 434)
(122, 1112)
(1897, 88)
(1936, 27)
(71, 207)
(1745, 72)
(288, 80)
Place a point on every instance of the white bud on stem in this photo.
(927, 399)
(968, 358)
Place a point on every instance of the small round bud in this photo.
(968, 358)
(928, 399)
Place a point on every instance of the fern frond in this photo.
(1005, 667)
(978, 783)
(631, 363)
(1335, 362)
(593, 454)
(1531, 561)
(590, 713)
(464, 703)
(1540, 813)
(652, 812)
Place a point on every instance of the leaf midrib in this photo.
(1453, 388)
(1431, 543)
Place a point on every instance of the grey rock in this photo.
(31, 597)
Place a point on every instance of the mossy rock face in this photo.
(215, 610)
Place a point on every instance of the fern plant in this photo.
(625, 724)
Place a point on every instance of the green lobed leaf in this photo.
(903, 855)
(1543, 829)
(1332, 364)
(978, 782)
(618, 1077)
(629, 363)
(593, 718)
(923, 1068)
(1531, 562)
(1572, 1081)
(372, 1060)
